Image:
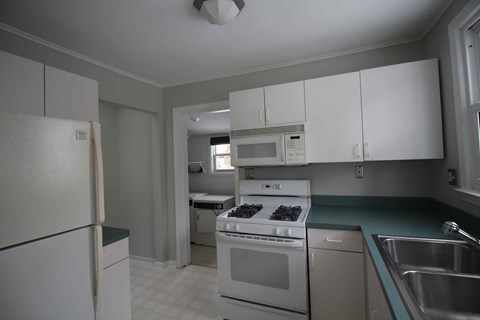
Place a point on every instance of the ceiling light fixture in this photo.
(219, 11)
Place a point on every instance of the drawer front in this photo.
(115, 252)
(335, 240)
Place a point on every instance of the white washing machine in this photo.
(207, 208)
(193, 218)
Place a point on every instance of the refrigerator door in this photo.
(47, 177)
(49, 279)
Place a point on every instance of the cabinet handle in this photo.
(367, 150)
(334, 240)
(267, 113)
(357, 151)
(313, 260)
(260, 116)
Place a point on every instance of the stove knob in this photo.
(237, 227)
(228, 227)
(277, 231)
(221, 226)
(288, 232)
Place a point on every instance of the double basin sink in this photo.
(437, 279)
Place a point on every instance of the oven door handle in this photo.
(257, 240)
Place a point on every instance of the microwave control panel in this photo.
(295, 148)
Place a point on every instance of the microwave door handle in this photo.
(257, 240)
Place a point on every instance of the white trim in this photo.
(77, 55)
(180, 160)
(299, 61)
(456, 30)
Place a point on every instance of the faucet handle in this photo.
(450, 228)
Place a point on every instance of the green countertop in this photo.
(423, 221)
(111, 235)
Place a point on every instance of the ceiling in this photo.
(167, 42)
(209, 123)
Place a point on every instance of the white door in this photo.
(285, 103)
(46, 177)
(334, 119)
(401, 112)
(50, 279)
(247, 109)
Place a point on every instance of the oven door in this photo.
(263, 150)
(260, 269)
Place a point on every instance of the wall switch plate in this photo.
(452, 177)
(359, 172)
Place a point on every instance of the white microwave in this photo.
(269, 146)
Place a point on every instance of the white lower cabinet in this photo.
(116, 291)
(336, 270)
(377, 306)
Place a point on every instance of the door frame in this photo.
(180, 163)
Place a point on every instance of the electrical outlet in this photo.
(452, 177)
(359, 172)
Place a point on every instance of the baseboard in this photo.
(142, 259)
(166, 264)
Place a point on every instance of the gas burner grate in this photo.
(245, 211)
(285, 213)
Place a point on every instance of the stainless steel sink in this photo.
(442, 255)
(445, 296)
(437, 279)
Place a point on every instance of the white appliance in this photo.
(269, 146)
(206, 209)
(262, 252)
(51, 207)
(193, 217)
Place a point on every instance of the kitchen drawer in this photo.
(115, 252)
(335, 240)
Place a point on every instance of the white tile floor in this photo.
(173, 294)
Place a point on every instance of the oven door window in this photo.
(273, 273)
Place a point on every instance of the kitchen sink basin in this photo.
(437, 279)
(445, 296)
(443, 255)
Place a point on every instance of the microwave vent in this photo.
(267, 130)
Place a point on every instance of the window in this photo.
(465, 50)
(220, 151)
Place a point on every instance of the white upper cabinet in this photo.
(270, 106)
(70, 96)
(402, 112)
(285, 103)
(21, 85)
(247, 109)
(334, 119)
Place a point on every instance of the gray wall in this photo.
(407, 178)
(436, 45)
(199, 150)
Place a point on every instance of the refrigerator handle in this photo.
(99, 271)
(97, 144)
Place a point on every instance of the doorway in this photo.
(180, 145)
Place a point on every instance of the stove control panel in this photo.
(272, 186)
(268, 230)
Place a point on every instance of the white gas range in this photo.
(262, 254)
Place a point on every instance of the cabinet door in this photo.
(70, 96)
(334, 119)
(116, 293)
(377, 305)
(21, 85)
(247, 109)
(401, 112)
(285, 103)
(336, 285)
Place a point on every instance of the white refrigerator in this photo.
(51, 208)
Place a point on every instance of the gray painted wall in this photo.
(199, 150)
(437, 45)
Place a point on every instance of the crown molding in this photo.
(300, 61)
(74, 54)
(434, 21)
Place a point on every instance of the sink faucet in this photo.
(450, 228)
